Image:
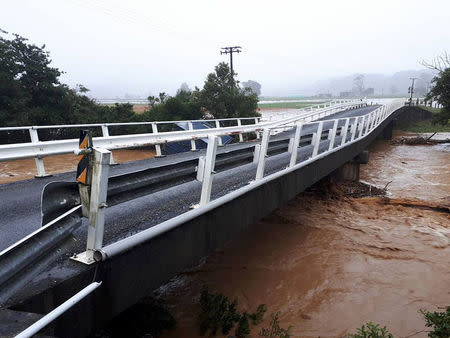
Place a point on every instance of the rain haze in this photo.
(291, 47)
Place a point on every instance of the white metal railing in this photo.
(38, 149)
(58, 311)
(61, 147)
(349, 129)
(422, 102)
(270, 116)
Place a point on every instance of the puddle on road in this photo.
(330, 265)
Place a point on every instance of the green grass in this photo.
(286, 105)
(432, 110)
(427, 126)
(278, 98)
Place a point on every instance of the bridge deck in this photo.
(20, 208)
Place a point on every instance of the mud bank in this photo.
(331, 263)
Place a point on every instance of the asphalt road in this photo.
(20, 212)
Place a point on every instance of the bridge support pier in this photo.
(350, 170)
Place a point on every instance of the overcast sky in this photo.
(139, 47)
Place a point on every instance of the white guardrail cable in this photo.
(38, 149)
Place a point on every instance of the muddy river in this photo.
(331, 264)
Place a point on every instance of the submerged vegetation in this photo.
(370, 330)
(438, 321)
(218, 313)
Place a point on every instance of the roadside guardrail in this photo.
(39, 149)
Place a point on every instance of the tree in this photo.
(31, 93)
(440, 89)
(182, 106)
(184, 88)
(253, 85)
(439, 63)
(223, 98)
(440, 92)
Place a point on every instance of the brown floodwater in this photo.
(25, 169)
(330, 265)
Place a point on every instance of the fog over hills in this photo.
(383, 84)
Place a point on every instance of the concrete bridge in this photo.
(144, 222)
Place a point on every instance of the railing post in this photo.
(97, 205)
(241, 139)
(333, 135)
(262, 154)
(367, 124)
(157, 146)
(193, 145)
(372, 120)
(208, 171)
(217, 122)
(379, 115)
(105, 133)
(257, 133)
(354, 128)
(361, 126)
(298, 132)
(345, 131)
(317, 139)
(38, 160)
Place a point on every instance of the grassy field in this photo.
(427, 126)
(286, 105)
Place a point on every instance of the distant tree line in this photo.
(31, 94)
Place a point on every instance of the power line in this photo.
(231, 50)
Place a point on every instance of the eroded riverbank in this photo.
(331, 263)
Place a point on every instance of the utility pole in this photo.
(411, 89)
(231, 50)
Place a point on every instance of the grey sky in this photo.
(139, 47)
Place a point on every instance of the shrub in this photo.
(219, 313)
(439, 321)
(371, 330)
(274, 329)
